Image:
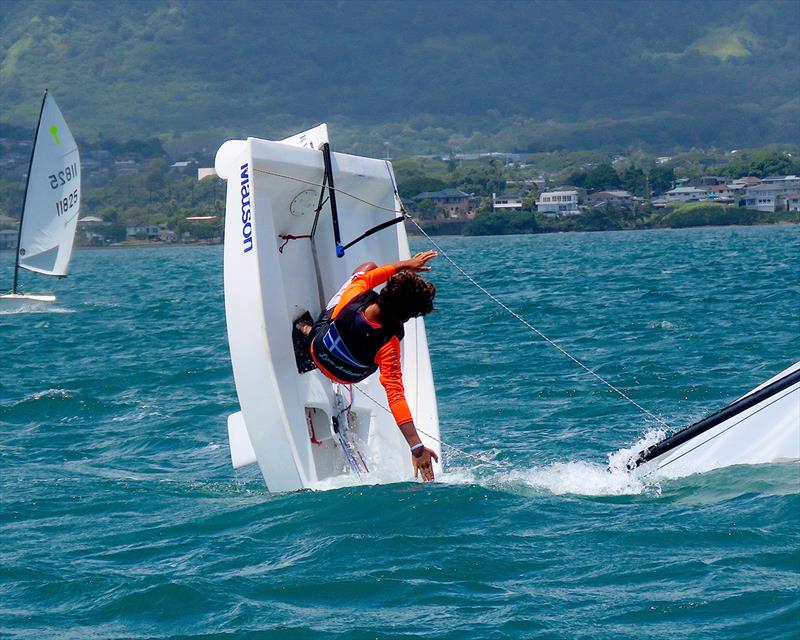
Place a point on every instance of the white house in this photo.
(686, 194)
(772, 197)
(506, 201)
(558, 203)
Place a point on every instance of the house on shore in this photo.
(601, 198)
(788, 182)
(559, 203)
(506, 201)
(686, 194)
(772, 197)
(747, 181)
(151, 232)
(452, 202)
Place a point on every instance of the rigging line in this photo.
(492, 297)
(537, 331)
(439, 440)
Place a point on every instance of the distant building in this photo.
(732, 191)
(686, 194)
(772, 197)
(452, 202)
(558, 203)
(205, 172)
(8, 238)
(126, 166)
(783, 181)
(150, 231)
(506, 201)
(599, 198)
(183, 165)
(679, 182)
(748, 181)
(706, 181)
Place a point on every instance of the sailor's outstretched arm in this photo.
(388, 359)
(379, 275)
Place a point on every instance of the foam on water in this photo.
(579, 477)
(34, 308)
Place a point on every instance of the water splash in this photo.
(580, 478)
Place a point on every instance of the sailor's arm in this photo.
(379, 275)
(388, 359)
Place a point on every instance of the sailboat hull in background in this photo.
(16, 302)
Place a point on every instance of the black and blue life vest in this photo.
(346, 347)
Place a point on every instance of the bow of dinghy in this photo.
(760, 427)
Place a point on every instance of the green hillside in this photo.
(411, 76)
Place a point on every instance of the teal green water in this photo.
(121, 516)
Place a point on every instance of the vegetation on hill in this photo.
(410, 76)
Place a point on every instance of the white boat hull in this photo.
(16, 302)
(762, 426)
(286, 417)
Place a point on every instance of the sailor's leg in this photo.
(301, 339)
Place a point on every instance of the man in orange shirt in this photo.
(361, 330)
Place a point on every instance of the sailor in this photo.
(360, 332)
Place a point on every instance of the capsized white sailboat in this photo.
(51, 206)
(286, 252)
(762, 426)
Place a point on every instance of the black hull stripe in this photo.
(715, 419)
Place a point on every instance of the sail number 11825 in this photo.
(67, 202)
(69, 173)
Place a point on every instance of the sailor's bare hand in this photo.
(417, 262)
(423, 464)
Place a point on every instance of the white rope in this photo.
(534, 329)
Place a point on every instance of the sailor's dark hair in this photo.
(406, 296)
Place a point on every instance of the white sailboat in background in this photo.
(51, 206)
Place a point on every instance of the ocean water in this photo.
(120, 516)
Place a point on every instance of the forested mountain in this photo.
(411, 76)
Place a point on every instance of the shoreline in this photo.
(416, 234)
(542, 232)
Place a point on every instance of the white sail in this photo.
(53, 196)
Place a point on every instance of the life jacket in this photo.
(348, 347)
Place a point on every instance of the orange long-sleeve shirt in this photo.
(388, 357)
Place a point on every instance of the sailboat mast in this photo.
(326, 156)
(25, 198)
